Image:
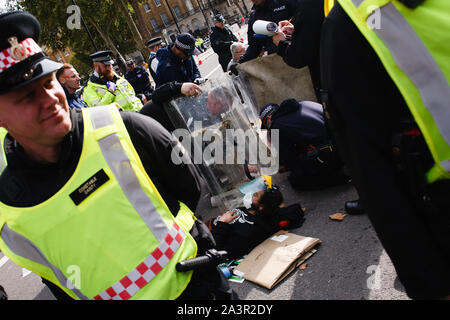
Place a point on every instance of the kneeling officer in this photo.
(92, 190)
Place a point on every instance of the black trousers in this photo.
(365, 108)
(224, 60)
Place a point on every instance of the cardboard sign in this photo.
(275, 258)
(273, 81)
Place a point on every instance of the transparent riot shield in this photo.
(220, 133)
(248, 100)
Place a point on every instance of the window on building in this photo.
(154, 24)
(165, 19)
(177, 12)
(157, 3)
(189, 5)
(146, 7)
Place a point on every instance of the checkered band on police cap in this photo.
(268, 109)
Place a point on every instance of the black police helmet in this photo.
(22, 61)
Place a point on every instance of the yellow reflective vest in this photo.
(414, 47)
(95, 94)
(327, 6)
(107, 233)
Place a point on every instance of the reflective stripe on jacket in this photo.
(96, 94)
(413, 46)
(107, 233)
(327, 6)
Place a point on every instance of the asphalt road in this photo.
(350, 263)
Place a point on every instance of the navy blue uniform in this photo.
(304, 49)
(138, 78)
(74, 100)
(271, 10)
(305, 148)
(221, 40)
(171, 68)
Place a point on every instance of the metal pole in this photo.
(203, 12)
(173, 17)
(85, 27)
(245, 7)
(214, 10)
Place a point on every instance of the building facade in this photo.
(59, 55)
(168, 18)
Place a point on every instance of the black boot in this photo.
(354, 207)
(3, 295)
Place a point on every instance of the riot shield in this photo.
(220, 131)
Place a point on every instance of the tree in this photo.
(107, 25)
(123, 6)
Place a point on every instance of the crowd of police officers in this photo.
(72, 158)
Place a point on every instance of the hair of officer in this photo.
(61, 70)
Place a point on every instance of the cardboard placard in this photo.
(276, 257)
(273, 81)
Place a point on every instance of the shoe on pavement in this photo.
(354, 207)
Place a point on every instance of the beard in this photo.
(109, 74)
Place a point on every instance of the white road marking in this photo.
(25, 272)
(3, 261)
(214, 70)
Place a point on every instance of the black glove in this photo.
(233, 69)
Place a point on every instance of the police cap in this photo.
(104, 57)
(218, 18)
(153, 42)
(266, 111)
(21, 59)
(186, 43)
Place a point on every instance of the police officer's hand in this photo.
(278, 37)
(200, 80)
(286, 27)
(190, 89)
(233, 69)
(111, 86)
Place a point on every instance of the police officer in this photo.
(175, 62)
(387, 91)
(303, 47)
(91, 188)
(138, 77)
(153, 45)
(163, 94)
(269, 10)
(221, 38)
(105, 86)
(305, 146)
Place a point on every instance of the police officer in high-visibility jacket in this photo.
(90, 199)
(385, 76)
(105, 87)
